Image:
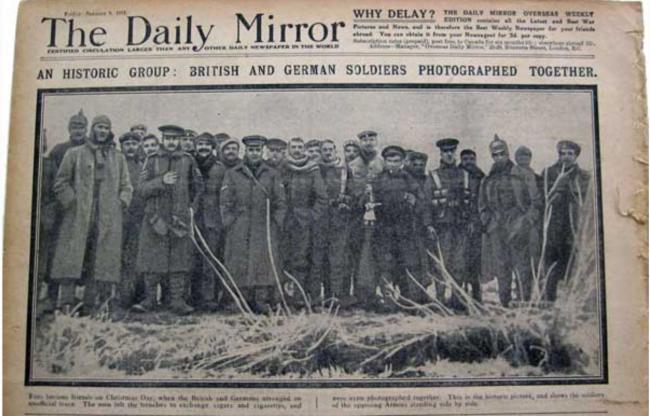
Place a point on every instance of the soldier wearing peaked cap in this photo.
(509, 205)
(566, 187)
(277, 152)
(170, 183)
(187, 141)
(253, 207)
(93, 188)
(448, 200)
(396, 195)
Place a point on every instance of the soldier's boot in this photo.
(151, 281)
(177, 285)
(65, 297)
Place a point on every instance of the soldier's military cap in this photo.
(101, 119)
(190, 132)
(254, 140)
(171, 130)
(312, 143)
(414, 155)
(139, 127)
(276, 143)
(569, 144)
(498, 145)
(467, 152)
(393, 151)
(129, 135)
(367, 133)
(447, 144)
(353, 143)
(78, 120)
(205, 137)
(523, 150)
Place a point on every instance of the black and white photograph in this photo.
(317, 235)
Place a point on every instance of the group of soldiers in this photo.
(293, 220)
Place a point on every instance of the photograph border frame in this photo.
(603, 378)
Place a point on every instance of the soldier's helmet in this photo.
(78, 120)
(498, 145)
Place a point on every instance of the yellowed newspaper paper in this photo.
(342, 208)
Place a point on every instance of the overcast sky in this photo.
(411, 118)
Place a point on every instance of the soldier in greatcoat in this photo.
(396, 195)
(448, 199)
(78, 129)
(93, 188)
(253, 207)
(473, 246)
(306, 204)
(331, 239)
(566, 186)
(208, 218)
(509, 208)
(132, 285)
(170, 184)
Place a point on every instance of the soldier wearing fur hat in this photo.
(396, 195)
(93, 188)
(509, 208)
(171, 183)
(448, 209)
(229, 152)
(566, 187)
(253, 207)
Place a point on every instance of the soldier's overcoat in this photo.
(243, 201)
(74, 185)
(172, 252)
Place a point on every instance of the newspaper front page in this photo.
(345, 207)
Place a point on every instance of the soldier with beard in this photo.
(447, 190)
(566, 191)
(508, 206)
(252, 208)
(330, 255)
(277, 153)
(132, 286)
(208, 219)
(475, 233)
(306, 203)
(364, 170)
(171, 183)
(93, 188)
